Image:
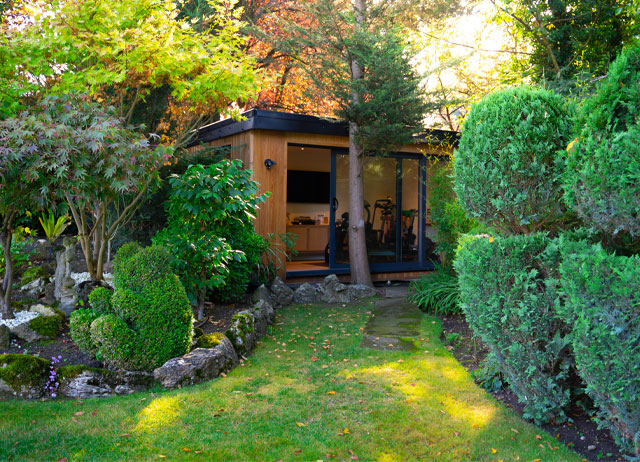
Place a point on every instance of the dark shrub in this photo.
(245, 239)
(602, 180)
(508, 294)
(508, 168)
(147, 320)
(603, 305)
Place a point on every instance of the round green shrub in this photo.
(124, 253)
(509, 164)
(602, 304)
(100, 299)
(602, 179)
(80, 328)
(508, 293)
(148, 320)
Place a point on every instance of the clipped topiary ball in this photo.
(509, 164)
(602, 179)
(146, 321)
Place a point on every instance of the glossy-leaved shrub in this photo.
(603, 305)
(509, 164)
(145, 321)
(508, 293)
(602, 179)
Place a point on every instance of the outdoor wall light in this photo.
(269, 163)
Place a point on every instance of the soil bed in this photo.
(579, 434)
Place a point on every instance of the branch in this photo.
(128, 209)
(476, 48)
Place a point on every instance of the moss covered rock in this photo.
(33, 273)
(209, 340)
(22, 376)
(89, 382)
(242, 332)
(50, 322)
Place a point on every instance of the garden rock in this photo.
(91, 382)
(333, 291)
(242, 332)
(34, 289)
(197, 366)
(42, 310)
(64, 290)
(49, 294)
(268, 309)
(24, 332)
(260, 319)
(261, 293)
(306, 294)
(5, 336)
(281, 294)
(22, 376)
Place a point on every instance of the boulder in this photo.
(306, 294)
(333, 291)
(260, 320)
(49, 294)
(197, 366)
(281, 294)
(23, 376)
(34, 289)
(360, 291)
(91, 382)
(25, 332)
(242, 332)
(268, 309)
(261, 293)
(5, 336)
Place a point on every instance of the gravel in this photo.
(83, 277)
(21, 317)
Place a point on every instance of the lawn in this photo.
(308, 392)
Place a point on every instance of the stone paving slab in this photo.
(393, 323)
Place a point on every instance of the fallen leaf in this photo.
(314, 358)
(300, 424)
(493, 450)
(331, 392)
(345, 431)
(297, 451)
(79, 413)
(538, 437)
(187, 450)
(515, 431)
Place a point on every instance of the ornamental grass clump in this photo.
(603, 306)
(146, 321)
(602, 179)
(508, 168)
(509, 296)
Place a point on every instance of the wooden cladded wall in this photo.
(256, 146)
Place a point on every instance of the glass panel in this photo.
(380, 184)
(341, 229)
(410, 171)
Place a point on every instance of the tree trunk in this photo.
(6, 310)
(358, 257)
(202, 295)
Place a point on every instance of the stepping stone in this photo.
(392, 326)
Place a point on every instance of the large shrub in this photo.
(209, 208)
(508, 168)
(509, 296)
(602, 180)
(603, 305)
(147, 320)
(447, 214)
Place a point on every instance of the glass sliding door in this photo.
(394, 211)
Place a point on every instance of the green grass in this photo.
(284, 405)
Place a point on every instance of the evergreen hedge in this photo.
(508, 292)
(508, 166)
(603, 305)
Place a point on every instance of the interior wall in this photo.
(308, 159)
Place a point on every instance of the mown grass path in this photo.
(308, 393)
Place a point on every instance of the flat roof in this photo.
(260, 119)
